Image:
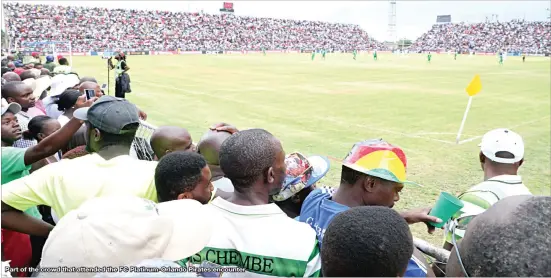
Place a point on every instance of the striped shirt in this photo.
(481, 197)
(260, 239)
(23, 119)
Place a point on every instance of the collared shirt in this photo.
(482, 196)
(318, 210)
(240, 240)
(66, 184)
(23, 118)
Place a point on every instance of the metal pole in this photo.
(70, 55)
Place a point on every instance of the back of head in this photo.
(12, 89)
(35, 127)
(246, 156)
(88, 79)
(67, 99)
(11, 76)
(63, 62)
(368, 241)
(166, 139)
(503, 150)
(210, 144)
(44, 71)
(512, 238)
(176, 173)
(27, 74)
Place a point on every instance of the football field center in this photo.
(325, 106)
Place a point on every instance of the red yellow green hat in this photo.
(378, 158)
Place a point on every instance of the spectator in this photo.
(498, 241)
(183, 175)
(38, 66)
(50, 64)
(22, 94)
(501, 155)
(61, 186)
(209, 147)
(60, 83)
(88, 79)
(11, 76)
(41, 127)
(39, 87)
(367, 242)
(254, 161)
(27, 74)
(8, 59)
(11, 65)
(68, 102)
(302, 175)
(167, 139)
(84, 85)
(63, 67)
(44, 72)
(16, 163)
(121, 230)
(373, 174)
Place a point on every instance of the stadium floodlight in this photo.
(47, 46)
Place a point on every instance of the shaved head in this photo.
(88, 79)
(209, 145)
(92, 86)
(44, 71)
(11, 76)
(167, 139)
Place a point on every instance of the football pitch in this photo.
(325, 106)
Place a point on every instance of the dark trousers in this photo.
(118, 90)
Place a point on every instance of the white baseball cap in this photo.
(502, 140)
(38, 85)
(12, 107)
(62, 82)
(122, 230)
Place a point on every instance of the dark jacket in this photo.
(124, 80)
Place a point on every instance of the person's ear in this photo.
(97, 135)
(368, 184)
(10, 99)
(40, 136)
(185, 195)
(167, 151)
(270, 177)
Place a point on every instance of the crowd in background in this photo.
(97, 29)
(511, 36)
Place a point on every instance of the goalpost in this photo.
(50, 46)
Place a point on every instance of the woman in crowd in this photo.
(68, 102)
(41, 127)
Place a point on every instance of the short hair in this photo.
(368, 241)
(350, 176)
(11, 89)
(27, 75)
(126, 139)
(178, 172)
(87, 79)
(35, 126)
(247, 155)
(63, 61)
(513, 244)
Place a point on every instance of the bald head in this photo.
(88, 79)
(89, 85)
(28, 74)
(209, 145)
(167, 139)
(497, 241)
(11, 65)
(11, 76)
(44, 71)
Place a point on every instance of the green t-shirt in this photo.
(13, 167)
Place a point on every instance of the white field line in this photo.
(515, 126)
(232, 99)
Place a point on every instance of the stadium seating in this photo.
(512, 36)
(97, 29)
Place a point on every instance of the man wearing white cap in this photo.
(501, 155)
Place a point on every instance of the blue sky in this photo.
(413, 17)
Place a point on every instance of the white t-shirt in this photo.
(262, 239)
(223, 184)
(63, 120)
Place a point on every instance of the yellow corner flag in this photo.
(475, 86)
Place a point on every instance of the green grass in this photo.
(324, 107)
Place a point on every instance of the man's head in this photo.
(183, 175)
(44, 71)
(375, 170)
(49, 59)
(38, 66)
(511, 238)
(29, 66)
(366, 242)
(110, 121)
(11, 131)
(11, 65)
(63, 62)
(28, 74)
(210, 144)
(88, 85)
(253, 158)
(501, 153)
(11, 76)
(19, 92)
(10, 58)
(167, 139)
(88, 79)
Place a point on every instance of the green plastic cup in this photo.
(446, 206)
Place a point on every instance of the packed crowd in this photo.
(99, 29)
(76, 198)
(511, 36)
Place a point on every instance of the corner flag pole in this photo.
(464, 120)
(472, 89)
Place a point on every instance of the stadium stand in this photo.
(97, 29)
(513, 36)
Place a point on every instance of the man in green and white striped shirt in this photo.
(501, 155)
(250, 233)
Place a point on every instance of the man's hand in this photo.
(83, 102)
(224, 127)
(421, 215)
(142, 115)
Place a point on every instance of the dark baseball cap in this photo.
(110, 114)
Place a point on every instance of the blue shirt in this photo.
(318, 210)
